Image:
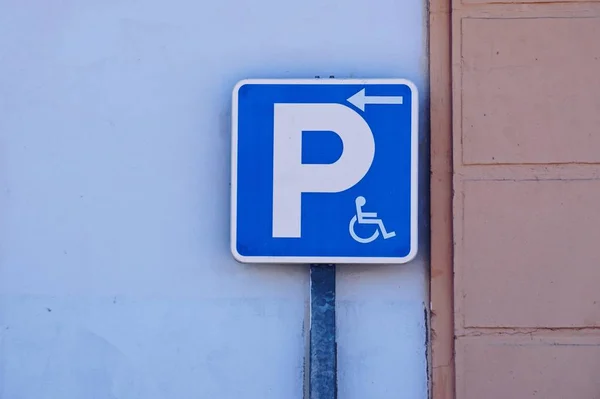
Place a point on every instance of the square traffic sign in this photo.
(324, 171)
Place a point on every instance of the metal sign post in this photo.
(323, 344)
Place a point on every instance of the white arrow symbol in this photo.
(359, 100)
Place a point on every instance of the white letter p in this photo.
(291, 178)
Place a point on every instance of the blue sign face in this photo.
(324, 171)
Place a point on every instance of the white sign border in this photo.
(327, 259)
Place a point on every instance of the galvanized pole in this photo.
(323, 344)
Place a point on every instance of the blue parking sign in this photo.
(324, 171)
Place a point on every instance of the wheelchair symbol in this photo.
(367, 218)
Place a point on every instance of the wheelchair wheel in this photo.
(360, 239)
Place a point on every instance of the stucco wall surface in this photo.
(116, 279)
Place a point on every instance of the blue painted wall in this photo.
(116, 279)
